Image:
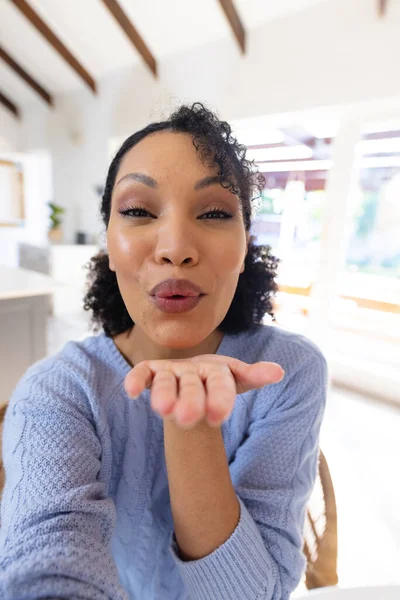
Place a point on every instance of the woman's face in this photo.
(176, 234)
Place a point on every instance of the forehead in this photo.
(164, 153)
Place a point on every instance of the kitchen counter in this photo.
(24, 306)
(20, 283)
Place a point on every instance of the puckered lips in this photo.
(176, 295)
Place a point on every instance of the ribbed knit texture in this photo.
(86, 512)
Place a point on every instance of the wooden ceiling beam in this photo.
(235, 22)
(9, 105)
(131, 32)
(382, 135)
(54, 41)
(26, 77)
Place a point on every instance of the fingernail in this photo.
(277, 373)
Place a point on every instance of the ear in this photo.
(110, 264)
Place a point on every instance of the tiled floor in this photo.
(360, 439)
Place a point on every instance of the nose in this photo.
(176, 243)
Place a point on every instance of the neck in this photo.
(136, 346)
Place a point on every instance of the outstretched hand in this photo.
(189, 390)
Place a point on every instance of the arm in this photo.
(198, 470)
(56, 521)
(273, 473)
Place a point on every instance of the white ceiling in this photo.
(89, 31)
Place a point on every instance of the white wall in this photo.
(37, 192)
(76, 133)
(10, 130)
(334, 53)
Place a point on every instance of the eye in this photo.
(219, 211)
(128, 211)
(223, 214)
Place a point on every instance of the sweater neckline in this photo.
(121, 363)
(125, 367)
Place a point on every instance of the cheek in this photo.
(124, 249)
(230, 258)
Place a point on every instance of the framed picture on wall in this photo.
(12, 205)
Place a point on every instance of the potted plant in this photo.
(55, 231)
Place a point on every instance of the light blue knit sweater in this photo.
(86, 513)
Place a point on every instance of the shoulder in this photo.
(73, 362)
(76, 376)
(305, 382)
(273, 344)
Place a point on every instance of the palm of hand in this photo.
(189, 390)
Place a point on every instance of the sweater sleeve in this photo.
(273, 473)
(56, 520)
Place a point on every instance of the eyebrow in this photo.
(206, 181)
(141, 178)
(152, 183)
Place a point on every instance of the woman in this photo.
(172, 455)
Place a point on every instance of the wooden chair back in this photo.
(320, 532)
(2, 413)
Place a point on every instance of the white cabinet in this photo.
(65, 264)
(24, 299)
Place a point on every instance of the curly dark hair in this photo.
(217, 147)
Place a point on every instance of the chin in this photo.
(180, 336)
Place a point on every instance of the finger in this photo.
(221, 395)
(265, 373)
(247, 376)
(140, 377)
(164, 392)
(190, 407)
(254, 376)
